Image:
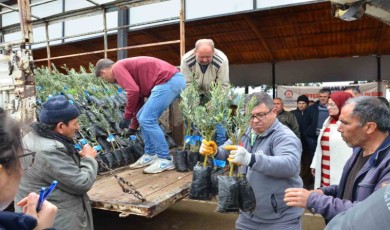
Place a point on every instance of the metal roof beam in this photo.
(80, 13)
(33, 4)
(381, 39)
(16, 10)
(93, 2)
(259, 37)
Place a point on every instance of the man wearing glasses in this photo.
(270, 154)
(50, 155)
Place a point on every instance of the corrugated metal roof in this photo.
(293, 33)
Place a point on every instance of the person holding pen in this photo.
(11, 171)
(57, 159)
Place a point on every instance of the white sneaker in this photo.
(143, 161)
(160, 165)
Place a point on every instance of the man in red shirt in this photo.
(161, 83)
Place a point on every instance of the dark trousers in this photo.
(309, 147)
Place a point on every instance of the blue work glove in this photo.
(124, 123)
(238, 155)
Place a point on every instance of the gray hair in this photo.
(101, 65)
(261, 98)
(325, 91)
(278, 98)
(201, 42)
(371, 109)
(354, 89)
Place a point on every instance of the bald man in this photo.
(207, 63)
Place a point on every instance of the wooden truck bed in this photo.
(160, 190)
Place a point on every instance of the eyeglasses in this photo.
(259, 116)
(331, 105)
(27, 159)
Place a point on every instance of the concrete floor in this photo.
(185, 215)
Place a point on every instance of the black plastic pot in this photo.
(91, 116)
(115, 127)
(98, 132)
(121, 141)
(246, 198)
(138, 150)
(96, 101)
(228, 193)
(201, 184)
(128, 155)
(104, 143)
(109, 101)
(214, 180)
(192, 159)
(115, 101)
(180, 160)
(118, 157)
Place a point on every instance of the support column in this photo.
(123, 20)
(105, 33)
(48, 45)
(63, 23)
(273, 80)
(379, 75)
(176, 122)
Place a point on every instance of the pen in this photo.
(50, 189)
(41, 198)
(44, 194)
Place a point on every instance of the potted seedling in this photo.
(234, 191)
(189, 101)
(205, 120)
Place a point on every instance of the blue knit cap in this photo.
(58, 109)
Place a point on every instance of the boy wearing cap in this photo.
(302, 104)
(51, 139)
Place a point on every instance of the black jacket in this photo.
(17, 221)
(311, 119)
(300, 116)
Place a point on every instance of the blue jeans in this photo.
(160, 98)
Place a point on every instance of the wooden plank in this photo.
(160, 190)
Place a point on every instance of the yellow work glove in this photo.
(238, 155)
(208, 148)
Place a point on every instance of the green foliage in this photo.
(238, 119)
(87, 126)
(215, 111)
(78, 85)
(188, 104)
(72, 82)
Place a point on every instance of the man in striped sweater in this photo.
(206, 64)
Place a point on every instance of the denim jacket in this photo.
(374, 174)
